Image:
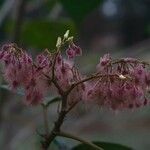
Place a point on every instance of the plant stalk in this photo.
(48, 139)
(67, 135)
(45, 116)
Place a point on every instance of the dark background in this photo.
(120, 27)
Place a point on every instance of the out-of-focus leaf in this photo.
(42, 34)
(79, 9)
(48, 100)
(61, 145)
(27, 142)
(49, 4)
(40, 9)
(104, 145)
(6, 87)
(148, 29)
(1, 2)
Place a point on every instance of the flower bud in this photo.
(66, 34)
(58, 43)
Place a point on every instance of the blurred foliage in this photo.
(104, 145)
(79, 9)
(148, 29)
(6, 87)
(41, 11)
(42, 33)
(40, 30)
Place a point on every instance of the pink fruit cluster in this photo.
(116, 84)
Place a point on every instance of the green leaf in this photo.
(104, 145)
(79, 9)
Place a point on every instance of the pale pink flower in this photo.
(105, 60)
(139, 73)
(64, 74)
(77, 49)
(76, 95)
(103, 65)
(121, 84)
(17, 65)
(70, 53)
(36, 89)
(59, 59)
(119, 93)
(43, 64)
(73, 51)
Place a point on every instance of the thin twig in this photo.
(45, 116)
(54, 100)
(89, 78)
(72, 106)
(68, 135)
(122, 60)
(46, 143)
(53, 67)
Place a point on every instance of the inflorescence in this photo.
(116, 84)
